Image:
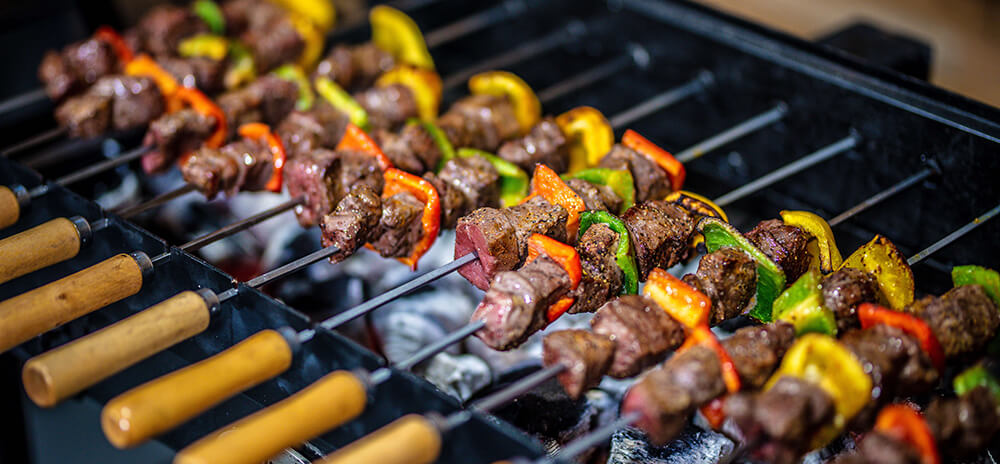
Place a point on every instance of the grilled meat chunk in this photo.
(388, 107)
(304, 131)
(537, 216)
(899, 366)
(480, 121)
(516, 304)
(602, 278)
(592, 196)
(883, 449)
(786, 245)
(269, 99)
(273, 40)
(355, 66)
(243, 165)
(476, 178)
(412, 149)
(545, 144)
(651, 181)
(453, 201)
(76, 67)
(325, 177)
(174, 134)
(86, 115)
(844, 290)
(965, 425)
(489, 233)
(756, 351)
(399, 227)
(242, 15)
(204, 73)
(964, 319)
(165, 26)
(352, 224)
(660, 233)
(114, 102)
(667, 396)
(585, 354)
(728, 277)
(644, 334)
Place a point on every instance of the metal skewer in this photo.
(19, 101)
(636, 55)
(33, 141)
(885, 194)
(744, 128)
(953, 236)
(703, 80)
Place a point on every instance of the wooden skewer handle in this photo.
(10, 206)
(327, 403)
(41, 246)
(65, 371)
(161, 404)
(412, 439)
(44, 308)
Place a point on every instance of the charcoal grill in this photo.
(942, 152)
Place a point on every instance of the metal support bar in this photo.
(240, 226)
(883, 195)
(744, 128)
(953, 236)
(156, 201)
(663, 100)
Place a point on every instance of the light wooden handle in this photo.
(40, 246)
(65, 371)
(49, 306)
(327, 403)
(161, 404)
(10, 208)
(412, 439)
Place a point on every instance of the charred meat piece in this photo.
(388, 107)
(173, 135)
(204, 73)
(241, 15)
(666, 396)
(57, 76)
(964, 319)
(883, 449)
(660, 233)
(453, 201)
(728, 277)
(537, 216)
(480, 121)
(399, 227)
(602, 278)
(165, 26)
(644, 333)
(325, 177)
(585, 355)
(87, 115)
(355, 66)
(756, 351)
(269, 99)
(515, 306)
(898, 365)
(78, 66)
(595, 197)
(965, 425)
(476, 178)
(844, 290)
(786, 245)
(135, 101)
(545, 144)
(304, 131)
(243, 165)
(651, 181)
(412, 149)
(274, 43)
(353, 223)
(489, 233)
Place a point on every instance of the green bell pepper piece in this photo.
(292, 73)
(802, 305)
(970, 275)
(514, 182)
(342, 101)
(210, 12)
(976, 376)
(770, 277)
(619, 180)
(623, 255)
(242, 70)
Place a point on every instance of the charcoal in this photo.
(693, 446)
(460, 376)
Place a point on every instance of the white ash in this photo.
(460, 376)
(694, 446)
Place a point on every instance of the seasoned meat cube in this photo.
(422, 145)
(844, 290)
(964, 319)
(241, 15)
(174, 134)
(304, 131)
(644, 333)
(325, 177)
(660, 234)
(516, 304)
(651, 181)
(165, 26)
(57, 76)
(585, 354)
(480, 121)
(786, 245)
(388, 107)
(883, 449)
(596, 197)
(337, 66)
(453, 202)
(87, 115)
(756, 351)
(667, 396)
(399, 227)
(353, 223)
(90, 59)
(368, 63)
(476, 178)
(537, 216)
(602, 278)
(398, 151)
(898, 365)
(489, 233)
(276, 44)
(965, 425)
(204, 73)
(545, 144)
(241, 165)
(269, 99)
(792, 410)
(135, 101)
(728, 277)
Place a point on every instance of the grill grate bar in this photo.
(953, 236)
(590, 440)
(93, 170)
(885, 194)
(662, 100)
(744, 128)
(28, 98)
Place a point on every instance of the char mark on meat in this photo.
(78, 66)
(476, 178)
(353, 223)
(602, 278)
(389, 106)
(660, 234)
(165, 26)
(243, 165)
(206, 74)
(412, 149)
(964, 319)
(651, 181)
(728, 277)
(135, 101)
(480, 121)
(87, 115)
(844, 290)
(399, 227)
(325, 177)
(899, 366)
(304, 131)
(786, 245)
(756, 351)
(585, 355)
(644, 333)
(172, 135)
(545, 144)
(515, 306)
(537, 216)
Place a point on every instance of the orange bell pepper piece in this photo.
(872, 314)
(680, 300)
(259, 131)
(397, 181)
(143, 65)
(703, 336)
(568, 259)
(675, 170)
(356, 139)
(905, 424)
(547, 184)
(204, 105)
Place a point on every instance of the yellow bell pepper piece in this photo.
(527, 108)
(319, 12)
(204, 46)
(821, 361)
(881, 258)
(829, 255)
(396, 34)
(424, 83)
(589, 134)
(313, 38)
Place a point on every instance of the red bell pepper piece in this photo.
(559, 308)
(110, 36)
(262, 132)
(397, 181)
(872, 314)
(143, 65)
(714, 412)
(702, 335)
(547, 184)
(568, 259)
(681, 301)
(675, 170)
(905, 424)
(356, 139)
(205, 106)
